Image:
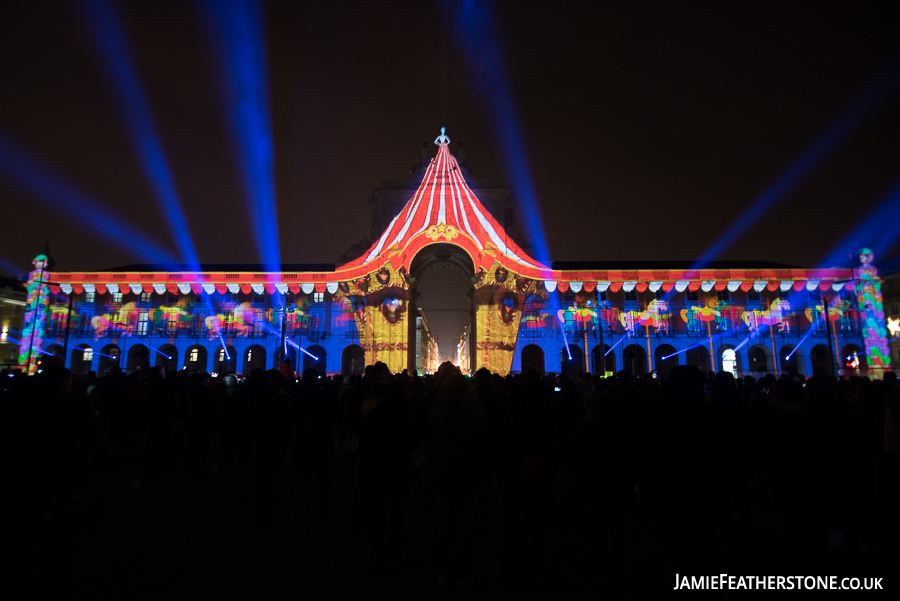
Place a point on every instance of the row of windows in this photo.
(116, 297)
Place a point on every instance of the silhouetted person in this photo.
(388, 440)
(273, 431)
(457, 476)
(314, 443)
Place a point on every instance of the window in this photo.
(602, 297)
(753, 296)
(89, 297)
(221, 355)
(895, 309)
(172, 299)
(318, 297)
(143, 324)
(692, 295)
(172, 323)
(145, 297)
(11, 354)
(87, 355)
(117, 297)
(729, 362)
(17, 311)
(724, 296)
(195, 355)
(84, 323)
(696, 326)
(249, 355)
(259, 298)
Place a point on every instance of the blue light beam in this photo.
(864, 104)
(475, 33)
(878, 230)
(69, 203)
(108, 35)
(236, 37)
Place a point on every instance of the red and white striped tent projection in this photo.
(444, 209)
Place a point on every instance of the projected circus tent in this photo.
(745, 317)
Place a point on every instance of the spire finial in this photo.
(442, 140)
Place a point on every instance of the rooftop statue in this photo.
(443, 139)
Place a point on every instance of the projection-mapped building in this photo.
(745, 317)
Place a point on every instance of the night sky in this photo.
(648, 128)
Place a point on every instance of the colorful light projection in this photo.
(499, 298)
(37, 308)
(656, 315)
(868, 291)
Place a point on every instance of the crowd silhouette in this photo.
(709, 459)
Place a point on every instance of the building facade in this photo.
(12, 316)
(745, 317)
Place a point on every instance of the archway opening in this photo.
(533, 358)
(167, 357)
(225, 360)
(138, 357)
(571, 359)
(353, 360)
(602, 360)
(789, 360)
(195, 359)
(82, 358)
(821, 360)
(110, 357)
(665, 359)
(699, 358)
(634, 360)
(729, 360)
(254, 358)
(319, 359)
(759, 359)
(441, 304)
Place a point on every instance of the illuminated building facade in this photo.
(12, 316)
(746, 317)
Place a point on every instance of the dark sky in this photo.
(648, 127)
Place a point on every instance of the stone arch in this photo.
(570, 368)
(82, 358)
(759, 359)
(789, 360)
(821, 360)
(699, 358)
(195, 359)
(138, 357)
(533, 358)
(732, 360)
(321, 359)
(634, 359)
(254, 358)
(167, 357)
(225, 359)
(353, 360)
(110, 356)
(602, 360)
(664, 359)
